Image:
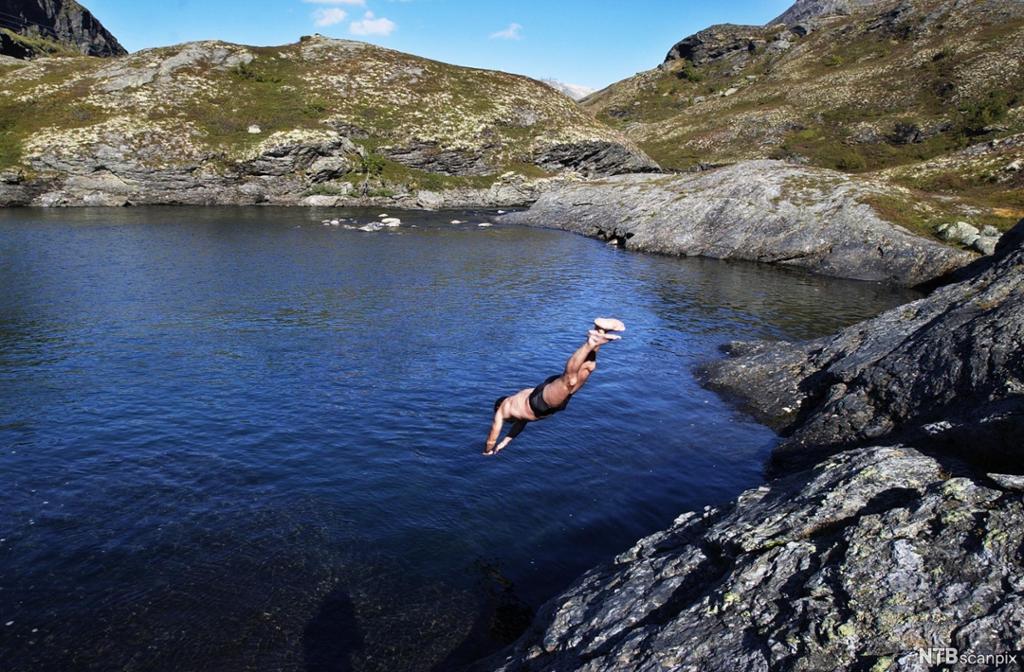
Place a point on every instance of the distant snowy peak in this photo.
(574, 91)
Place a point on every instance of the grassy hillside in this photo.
(892, 86)
(220, 105)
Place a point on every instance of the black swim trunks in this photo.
(540, 407)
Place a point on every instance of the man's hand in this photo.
(489, 448)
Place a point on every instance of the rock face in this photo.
(716, 43)
(946, 371)
(856, 564)
(342, 121)
(765, 211)
(64, 22)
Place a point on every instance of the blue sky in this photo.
(592, 43)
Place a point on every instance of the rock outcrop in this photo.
(766, 211)
(51, 24)
(861, 563)
(328, 120)
(946, 371)
(717, 43)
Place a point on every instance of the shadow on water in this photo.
(332, 640)
(350, 632)
(501, 619)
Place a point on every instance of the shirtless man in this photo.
(554, 393)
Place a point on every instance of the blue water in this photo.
(236, 439)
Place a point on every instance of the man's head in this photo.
(497, 403)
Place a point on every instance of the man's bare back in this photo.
(553, 394)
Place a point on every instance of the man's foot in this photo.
(609, 324)
(597, 338)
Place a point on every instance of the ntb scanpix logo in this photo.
(951, 656)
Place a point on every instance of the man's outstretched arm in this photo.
(492, 438)
(517, 428)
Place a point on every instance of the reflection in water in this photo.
(237, 439)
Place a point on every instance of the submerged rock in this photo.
(857, 564)
(767, 211)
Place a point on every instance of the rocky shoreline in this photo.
(767, 211)
(892, 527)
(193, 187)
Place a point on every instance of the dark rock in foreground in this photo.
(947, 371)
(766, 211)
(855, 565)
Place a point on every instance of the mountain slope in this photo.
(216, 122)
(891, 84)
(31, 28)
(803, 10)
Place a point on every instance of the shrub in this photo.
(690, 73)
(978, 116)
(372, 165)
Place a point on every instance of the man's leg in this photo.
(582, 363)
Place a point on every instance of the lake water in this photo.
(237, 439)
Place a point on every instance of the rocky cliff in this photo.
(30, 28)
(853, 85)
(767, 211)
(322, 121)
(946, 371)
(869, 559)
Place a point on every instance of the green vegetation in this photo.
(378, 170)
(690, 73)
(10, 143)
(978, 116)
(20, 119)
(39, 46)
(918, 215)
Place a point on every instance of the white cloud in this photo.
(328, 17)
(356, 3)
(370, 25)
(512, 32)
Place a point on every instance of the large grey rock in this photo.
(427, 156)
(594, 157)
(766, 211)
(724, 41)
(63, 21)
(857, 564)
(946, 370)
